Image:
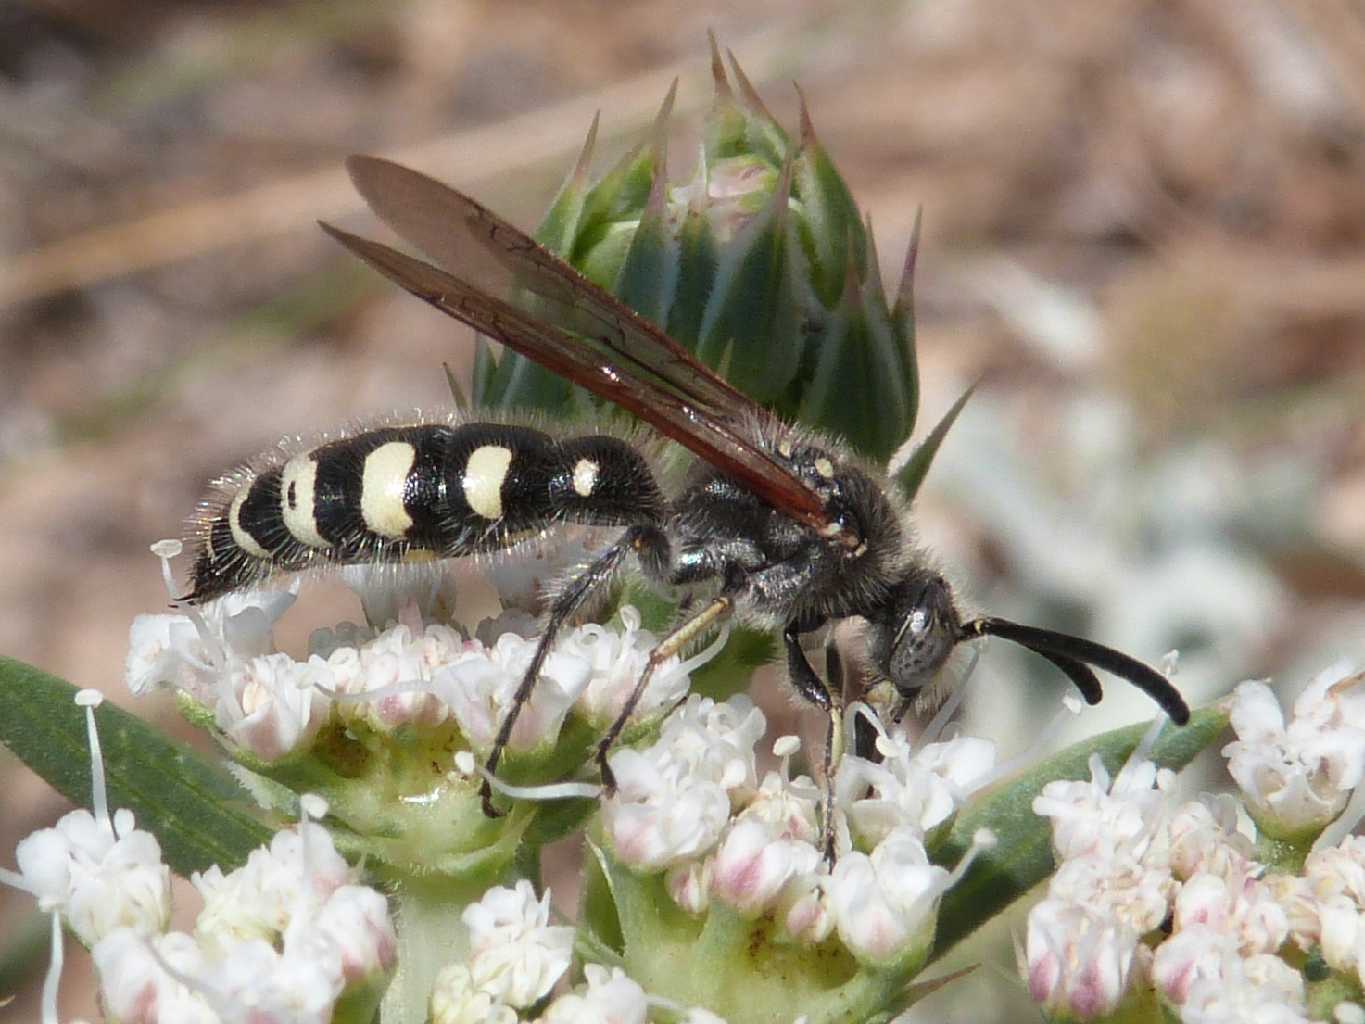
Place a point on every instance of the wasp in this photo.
(774, 525)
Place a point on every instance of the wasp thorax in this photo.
(915, 630)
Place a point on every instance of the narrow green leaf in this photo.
(191, 805)
(1022, 856)
(912, 474)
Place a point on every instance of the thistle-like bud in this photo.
(760, 264)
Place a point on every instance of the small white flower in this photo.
(610, 998)
(1102, 814)
(755, 862)
(1259, 990)
(1243, 908)
(1338, 870)
(1196, 953)
(674, 799)
(923, 788)
(290, 878)
(1079, 962)
(1203, 837)
(400, 666)
(254, 983)
(808, 917)
(1118, 883)
(101, 876)
(1296, 778)
(136, 989)
(618, 661)
(661, 815)
(689, 883)
(481, 682)
(515, 953)
(271, 704)
(455, 999)
(885, 904)
(354, 926)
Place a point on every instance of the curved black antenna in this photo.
(1073, 649)
(1078, 672)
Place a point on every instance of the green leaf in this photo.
(191, 805)
(912, 474)
(1022, 856)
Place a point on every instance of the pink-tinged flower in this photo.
(135, 987)
(514, 952)
(100, 875)
(480, 684)
(396, 668)
(271, 705)
(1103, 814)
(1244, 909)
(1258, 990)
(885, 905)
(755, 862)
(609, 998)
(355, 924)
(1197, 952)
(1079, 962)
(673, 800)
(808, 917)
(1127, 888)
(1338, 870)
(660, 815)
(1203, 837)
(456, 999)
(1295, 779)
(689, 883)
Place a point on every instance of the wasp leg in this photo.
(580, 588)
(829, 698)
(683, 635)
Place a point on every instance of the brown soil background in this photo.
(1159, 204)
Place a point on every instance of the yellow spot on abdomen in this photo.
(383, 488)
(240, 536)
(585, 477)
(483, 477)
(298, 481)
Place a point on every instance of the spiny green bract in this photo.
(761, 265)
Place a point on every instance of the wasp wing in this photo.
(504, 284)
(560, 352)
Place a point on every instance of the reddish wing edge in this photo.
(490, 255)
(568, 356)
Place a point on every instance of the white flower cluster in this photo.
(280, 939)
(516, 957)
(1131, 860)
(692, 805)
(1297, 778)
(408, 675)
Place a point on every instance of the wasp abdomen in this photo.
(413, 493)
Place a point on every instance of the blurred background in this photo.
(1144, 226)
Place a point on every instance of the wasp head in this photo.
(912, 633)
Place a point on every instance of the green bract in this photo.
(760, 264)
